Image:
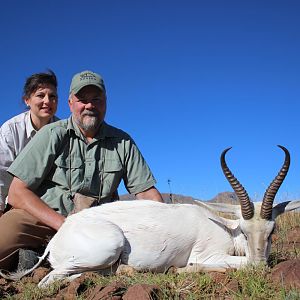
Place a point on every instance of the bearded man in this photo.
(69, 165)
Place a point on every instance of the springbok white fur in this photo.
(152, 236)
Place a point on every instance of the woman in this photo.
(40, 96)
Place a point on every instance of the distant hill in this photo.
(166, 197)
(225, 197)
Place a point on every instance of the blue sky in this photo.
(186, 79)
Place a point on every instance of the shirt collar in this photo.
(30, 131)
(103, 132)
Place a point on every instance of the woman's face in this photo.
(43, 102)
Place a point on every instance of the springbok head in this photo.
(257, 220)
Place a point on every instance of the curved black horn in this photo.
(269, 196)
(246, 204)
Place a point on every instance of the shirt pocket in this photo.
(66, 171)
(112, 176)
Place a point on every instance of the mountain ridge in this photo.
(224, 197)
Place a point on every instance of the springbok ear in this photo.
(284, 207)
(235, 210)
(226, 224)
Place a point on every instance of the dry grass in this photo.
(285, 242)
(288, 221)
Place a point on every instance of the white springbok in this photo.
(151, 236)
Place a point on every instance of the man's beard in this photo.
(89, 120)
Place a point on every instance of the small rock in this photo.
(232, 286)
(142, 292)
(113, 291)
(125, 270)
(39, 273)
(287, 273)
(218, 277)
(71, 291)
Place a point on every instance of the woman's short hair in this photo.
(38, 80)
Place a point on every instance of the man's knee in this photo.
(19, 230)
(11, 224)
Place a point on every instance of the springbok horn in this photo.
(267, 203)
(246, 204)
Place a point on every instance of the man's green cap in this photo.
(80, 80)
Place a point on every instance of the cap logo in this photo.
(87, 76)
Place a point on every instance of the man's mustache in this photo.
(91, 113)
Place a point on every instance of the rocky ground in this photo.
(285, 272)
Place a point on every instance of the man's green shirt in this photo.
(59, 162)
